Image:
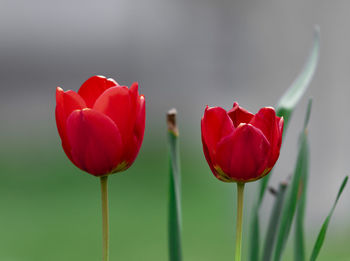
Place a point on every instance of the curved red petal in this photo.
(95, 141)
(140, 118)
(281, 125)
(267, 121)
(243, 156)
(66, 103)
(280, 133)
(119, 103)
(134, 90)
(94, 87)
(239, 115)
(138, 132)
(215, 125)
(134, 141)
(207, 156)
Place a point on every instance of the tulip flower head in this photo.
(102, 125)
(240, 146)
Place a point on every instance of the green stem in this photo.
(174, 214)
(240, 196)
(105, 222)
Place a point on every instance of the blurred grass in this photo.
(50, 210)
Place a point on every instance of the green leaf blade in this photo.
(292, 196)
(285, 109)
(299, 239)
(292, 96)
(255, 235)
(322, 234)
(273, 224)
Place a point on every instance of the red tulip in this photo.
(101, 126)
(240, 146)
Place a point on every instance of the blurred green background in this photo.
(184, 54)
(51, 210)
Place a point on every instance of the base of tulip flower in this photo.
(239, 221)
(105, 218)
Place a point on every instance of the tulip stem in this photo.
(105, 221)
(239, 221)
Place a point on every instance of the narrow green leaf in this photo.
(290, 205)
(308, 113)
(292, 96)
(285, 108)
(254, 235)
(273, 224)
(174, 215)
(322, 234)
(299, 239)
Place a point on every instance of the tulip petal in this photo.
(134, 141)
(208, 157)
(119, 103)
(243, 155)
(94, 87)
(140, 118)
(95, 141)
(215, 125)
(280, 131)
(281, 125)
(138, 132)
(66, 103)
(267, 121)
(239, 115)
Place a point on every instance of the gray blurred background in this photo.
(184, 54)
